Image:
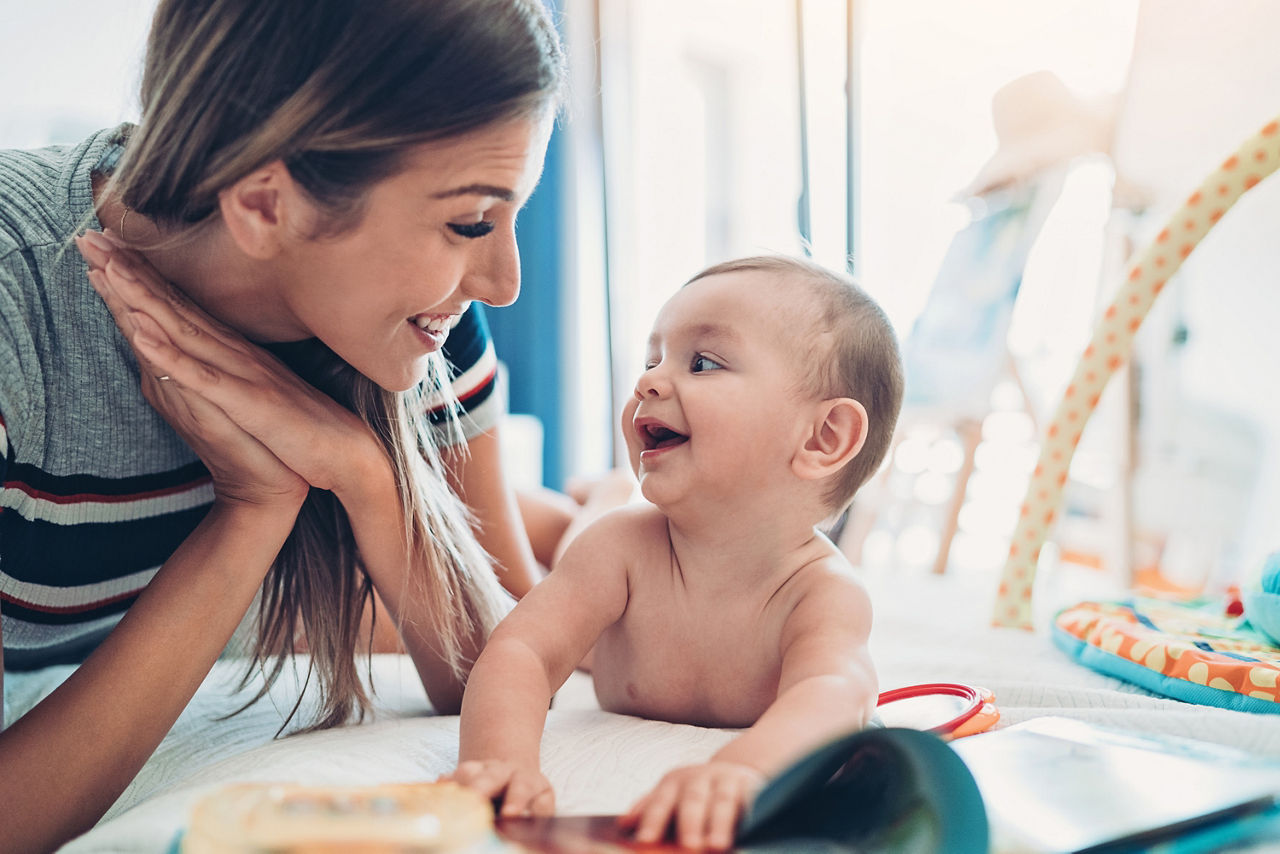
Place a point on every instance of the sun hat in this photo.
(1040, 123)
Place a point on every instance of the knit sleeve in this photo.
(17, 354)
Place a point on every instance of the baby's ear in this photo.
(835, 436)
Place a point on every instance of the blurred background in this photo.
(984, 168)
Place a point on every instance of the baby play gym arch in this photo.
(1112, 341)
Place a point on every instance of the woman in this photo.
(328, 185)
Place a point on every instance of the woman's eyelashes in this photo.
(472, 230)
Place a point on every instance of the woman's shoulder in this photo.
(29, 198)
(47, 193)
(46, 197)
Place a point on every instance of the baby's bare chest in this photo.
(676, 662)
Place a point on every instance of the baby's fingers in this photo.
(691, 811)
(528, 794)
(629, 819)
(658, 809)
(483, 777)
(722, 816)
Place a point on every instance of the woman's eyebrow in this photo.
(501, 193)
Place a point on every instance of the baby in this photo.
(769, 395)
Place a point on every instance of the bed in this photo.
(928, 628)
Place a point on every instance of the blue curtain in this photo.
(528, 335)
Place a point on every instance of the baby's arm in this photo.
(528, 658)
(827, 687)
(828, 684)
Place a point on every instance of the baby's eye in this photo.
(472, 230)
(704, 363)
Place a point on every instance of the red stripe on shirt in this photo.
(91, 498)
(69, 609)
(472, 392)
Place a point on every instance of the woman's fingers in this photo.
(155, 346)
(95, 249)
(142, 287)
(306, 430)
(177, 383)
(132, 283)
(139, 329)
(187, 326)
(119, 311)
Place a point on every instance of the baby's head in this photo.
(759, 354)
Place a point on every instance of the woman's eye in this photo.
(472, 230)
(704, 363)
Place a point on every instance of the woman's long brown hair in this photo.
(339, 90)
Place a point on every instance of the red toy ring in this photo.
(978, 703)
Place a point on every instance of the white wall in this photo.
(68, 68)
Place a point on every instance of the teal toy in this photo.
(1262, 606)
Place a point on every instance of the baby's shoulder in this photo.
(827, 582)
(631, 520)
(630, 530)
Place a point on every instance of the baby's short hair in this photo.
(852, 352)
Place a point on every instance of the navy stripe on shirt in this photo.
(72, 555)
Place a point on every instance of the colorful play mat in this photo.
(1191, 651)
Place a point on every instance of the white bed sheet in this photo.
(927, 629)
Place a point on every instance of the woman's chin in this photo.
(399, 381)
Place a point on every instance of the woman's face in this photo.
(441, 233)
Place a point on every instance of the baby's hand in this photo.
(523, 791)
(705, 801)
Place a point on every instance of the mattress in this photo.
(926, 629)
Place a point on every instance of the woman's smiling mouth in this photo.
(433, 329)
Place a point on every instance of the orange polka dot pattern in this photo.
(1257, 158)
(1180, 642)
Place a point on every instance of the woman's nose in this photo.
(493, 277)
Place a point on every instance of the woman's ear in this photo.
(837, 433)
(255, 209)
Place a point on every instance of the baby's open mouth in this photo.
(656, 436)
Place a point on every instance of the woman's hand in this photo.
(240, 408)
(705, 802)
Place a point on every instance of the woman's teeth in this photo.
(437, 323)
